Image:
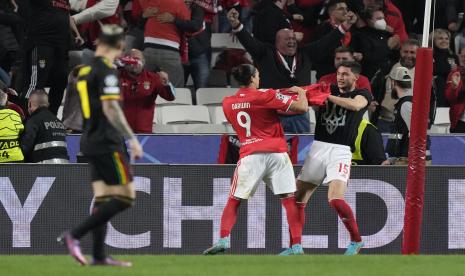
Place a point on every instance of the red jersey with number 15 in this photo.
(253, 115)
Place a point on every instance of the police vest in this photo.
(357, 155)
(398, 142)
(11, 127)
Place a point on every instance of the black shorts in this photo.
(111, 168)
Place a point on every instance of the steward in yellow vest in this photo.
(11, 127)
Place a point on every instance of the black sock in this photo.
(99, 233)
(105, 211)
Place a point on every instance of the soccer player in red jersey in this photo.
(263, 154)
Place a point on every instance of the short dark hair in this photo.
(243, 73)
(354, 66)
(411, 41)
(404, 84)
(332, 4)
(344, 49)
(368, 12)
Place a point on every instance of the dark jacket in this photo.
(273, 73)
(200, 42)
(268, 22)
(441, 69)
(372, 44)
(44, 137)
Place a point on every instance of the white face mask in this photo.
(380, 24)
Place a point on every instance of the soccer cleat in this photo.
(296, 249)
(218, 247)
(73, 247)
(354, 248)
(109, 261)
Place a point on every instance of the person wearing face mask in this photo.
(444, 60)
(283, 65)
(374, 42)
(140, 88)
(398, 142)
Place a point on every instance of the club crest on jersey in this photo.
(283, 98)
(146, 85)
(42, 63)
(111, 80)
(333, 118)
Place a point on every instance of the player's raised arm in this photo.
(299, 105)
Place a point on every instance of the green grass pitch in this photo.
(243, 265)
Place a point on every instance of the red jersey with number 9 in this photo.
(253, 113)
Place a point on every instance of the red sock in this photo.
(347, 216)
(301, 209)
(293, 219)
(228, 219)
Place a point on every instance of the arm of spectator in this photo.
(77, 36)
(328, 42)
(28, 137)
(167, 90)
(9, 19)
(355, 104)
(406, 113)
(454, 86)
(252, 45)
(193, 25)
(102, 9)
(452, 15)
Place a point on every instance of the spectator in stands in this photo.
(342, 54)
(140, 89)
(44, 137)
(337, 12)
(72, 114)
(11, 34)
(244, 7)
(9, 132)
(444, 61)
(46, 47)
(374, 42)
(10, 105)
(92, 14)
(269, 19)
(408, 53)
(196, 40)
(398, 143)
(92, 10)
(283, 65)
(162, 40)
(455, 95)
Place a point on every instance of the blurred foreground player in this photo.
(329, 159)
(102, 143)
(263, 154)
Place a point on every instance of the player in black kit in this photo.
(102, 143)
(330, 156)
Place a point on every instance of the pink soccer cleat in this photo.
(73, 247)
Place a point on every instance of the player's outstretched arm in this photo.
(301, 104)
(115, 116)
(355, 104)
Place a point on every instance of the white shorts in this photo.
(326, 162)
(275, 169)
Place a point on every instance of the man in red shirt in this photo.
(162, 39)
(263, 154)
(345, 54)
(140, 89)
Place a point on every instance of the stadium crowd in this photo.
(45, 42)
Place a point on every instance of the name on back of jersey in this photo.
(245, 105)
